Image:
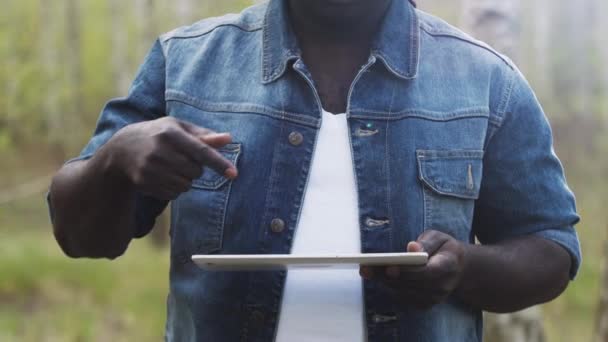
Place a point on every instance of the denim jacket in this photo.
(446, 134)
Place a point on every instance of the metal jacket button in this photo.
(377, 318)
(277, 225)
(373, 223)
(296, 138)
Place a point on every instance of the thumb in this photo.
(216, 140)
(207, 136)
(414, 247)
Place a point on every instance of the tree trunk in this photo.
(120, 46)
(145, 11)
(601, 33)
(497, 22)
(575, 77)
(73, 63)
(50, 64)
(543, 13)
(602, 313)
(184, 9)
(523, 326)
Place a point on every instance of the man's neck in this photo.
(336, 22)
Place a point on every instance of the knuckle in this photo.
(168, 132)
(149, 159)
(435, 234)
(170, 120)
(138, 178)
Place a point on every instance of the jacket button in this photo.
(277, 225)
(296, 138)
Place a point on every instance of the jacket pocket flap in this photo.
(454, 173)
(211, 180)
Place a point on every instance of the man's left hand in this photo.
(424, 286)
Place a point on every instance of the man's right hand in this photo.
(161, 158)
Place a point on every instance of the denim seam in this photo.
(202, 32)
(302, 186)
(428, 115)
(425, 158)
(414, 42)
(506, 97)
(501, 111)
(462, 37)
(466, 110)
(163, 49)
(265, 53)
(495, 120)
(213, 242)
(288, 56)
(269, 75)
(428, 209)
(272, 184)
(449, 154)
(414, 51)
(236, 108)
(472, 194)
(223, 215)
(391, 66)
(388, 171)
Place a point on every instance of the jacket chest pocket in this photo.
(451, 180)
(199, 214)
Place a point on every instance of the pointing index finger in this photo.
(213, 159)
(208, 141)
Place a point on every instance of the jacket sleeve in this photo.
(523, 188)
(145, 101)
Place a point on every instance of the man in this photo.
(440, 141)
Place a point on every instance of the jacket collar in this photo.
(397, 44)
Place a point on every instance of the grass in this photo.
(45, 296)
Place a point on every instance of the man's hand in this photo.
(427, 285)
(161, 158)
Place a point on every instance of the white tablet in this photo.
(255, 262)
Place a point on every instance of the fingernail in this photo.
(231, 173)
(414, 247)
(217, 135)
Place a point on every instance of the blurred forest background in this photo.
(62, 60)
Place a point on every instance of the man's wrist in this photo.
(467, 277)
(106, 163)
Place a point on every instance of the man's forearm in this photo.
(513, 275)
(93, 210)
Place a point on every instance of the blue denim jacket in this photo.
(446, 134)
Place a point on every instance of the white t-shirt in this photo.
(326, 305)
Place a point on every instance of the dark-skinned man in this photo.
(355, 126)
